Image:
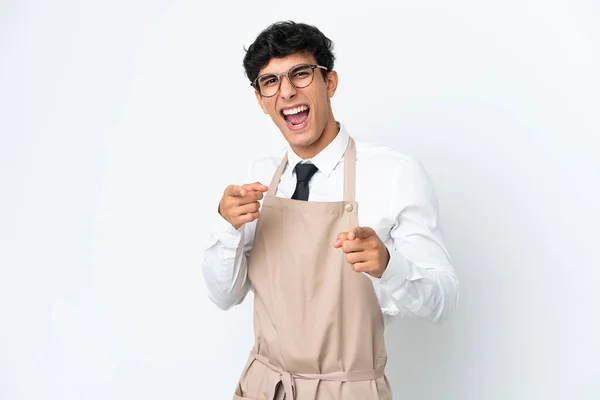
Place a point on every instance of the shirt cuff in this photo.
(222, 231)
(396, 272)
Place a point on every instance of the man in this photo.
(335, 238)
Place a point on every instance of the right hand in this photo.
(240, 205)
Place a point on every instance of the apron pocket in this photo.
(237, 397)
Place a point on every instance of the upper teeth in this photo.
(295, 110)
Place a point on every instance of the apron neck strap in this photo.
(349, 173)
(276, 177)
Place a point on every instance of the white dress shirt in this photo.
(394, 196)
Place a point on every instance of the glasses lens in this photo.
(301, 76)
(268, 85)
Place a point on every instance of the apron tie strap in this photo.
(287, 378)
(288, 385)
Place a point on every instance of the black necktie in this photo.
(303, 174)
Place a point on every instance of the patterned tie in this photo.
(303, 174)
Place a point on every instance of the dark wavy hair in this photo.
(284, 38)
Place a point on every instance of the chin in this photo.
(304, 139)
(301, 138)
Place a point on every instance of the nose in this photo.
(287, 90)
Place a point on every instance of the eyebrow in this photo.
(293, 66)
(266, 76)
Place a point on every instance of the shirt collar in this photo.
(329, 157)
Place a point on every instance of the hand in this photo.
(364, 250)
(240, 205)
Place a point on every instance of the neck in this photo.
(330, 132)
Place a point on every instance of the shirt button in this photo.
(384, 281)
(348, 207)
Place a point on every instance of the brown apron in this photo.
(318, 325)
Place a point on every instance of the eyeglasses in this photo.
(300, 76)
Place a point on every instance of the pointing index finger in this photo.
(339, 239)
(360, 232)
(234, 191)
(256, 186)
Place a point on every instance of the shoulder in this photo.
(261, 169)
(404, 172)
(382, 156)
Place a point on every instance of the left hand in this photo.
(364, 250)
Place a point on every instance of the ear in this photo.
(331, 82)
(261, 102)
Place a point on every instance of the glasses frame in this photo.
(256, 87)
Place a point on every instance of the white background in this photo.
(121, 122)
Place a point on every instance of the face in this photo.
(311, 129)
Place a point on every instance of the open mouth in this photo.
(296, 117)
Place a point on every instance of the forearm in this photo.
(419, 279)
(225, 269)
(428, 291)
